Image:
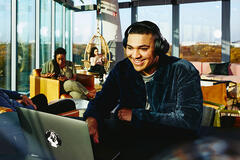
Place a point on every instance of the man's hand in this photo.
(28, 101)
(93, 128)
(125, 114)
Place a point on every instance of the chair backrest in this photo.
(86, 80)
(36, 72)
(214, 98)
(47, 86)
(208, 116)
(216, 93)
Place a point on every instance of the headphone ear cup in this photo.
(161, 46)
(157, 48)
(124, 42)
(165, 46)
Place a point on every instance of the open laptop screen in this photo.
(54, 137)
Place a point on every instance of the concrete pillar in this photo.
(111, 29)
(175, 30)
(226, 39)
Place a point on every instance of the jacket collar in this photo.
(164, 64)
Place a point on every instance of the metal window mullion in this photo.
(14, 45)
(53, 28)
(134, 14)
(226, 41)
(64, 26)
(37, 57)
(175, 30)
(71, 36)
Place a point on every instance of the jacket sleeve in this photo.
(185, 112)
(12, 94)
(106, 99)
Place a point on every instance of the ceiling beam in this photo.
(135, 3)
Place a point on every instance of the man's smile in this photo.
(138, 62)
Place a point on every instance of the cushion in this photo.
(219, 68)
(4, 109)
(216, 93)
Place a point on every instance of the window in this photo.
(68, 33)
(84, 27)
(45, 31)
(160, 15)
(125, 19)
(5, 44)
(58, 25)
(25, 42)
(235, 31)
(200, 31)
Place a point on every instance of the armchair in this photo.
(51, 87)
(215, 97)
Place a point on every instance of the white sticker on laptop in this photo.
(53, 138)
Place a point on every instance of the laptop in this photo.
(53, 137)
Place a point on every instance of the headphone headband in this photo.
(151, 27)
(161, 44)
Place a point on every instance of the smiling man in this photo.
(154, 93)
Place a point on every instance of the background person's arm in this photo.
(19, 98)
(47, 70)
(27, 101)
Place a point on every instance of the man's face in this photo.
(140, 51)
(61, 60)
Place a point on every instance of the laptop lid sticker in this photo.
(53, 138)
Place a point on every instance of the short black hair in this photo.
(59, 50)
(144, 27)
(148, 27)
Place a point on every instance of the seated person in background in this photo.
(97, 62)
(12, 99)
(65, 71)
(158, 98)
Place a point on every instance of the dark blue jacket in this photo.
(8, 99)
(174, 94)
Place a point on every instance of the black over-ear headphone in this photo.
(161, 44)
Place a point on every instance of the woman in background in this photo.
(97, 62)
(63, 70)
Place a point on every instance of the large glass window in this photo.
(25, 42)
(84, 27)
(5, 44)
(200, 31)
(160, 15)
(58, 25)
(68, 33)
(235, 31)
(45, 31)
(125, 19)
